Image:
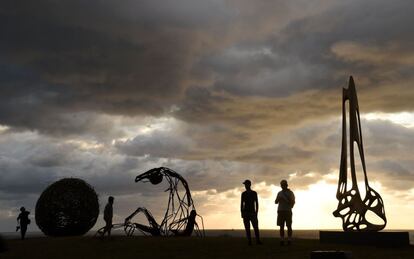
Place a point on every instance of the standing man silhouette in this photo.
(286, 200)
(108, 214)
(23, 220)
(249, 208)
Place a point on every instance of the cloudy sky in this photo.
(219, 91)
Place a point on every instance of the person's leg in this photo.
(109, 228)
(289, 230)
(246, 222)
(289, 227)
(23, 229)
(280, 223)
(282, 232)
(106, 229)
(255, 224)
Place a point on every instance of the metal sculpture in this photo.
(180, 218)
(68, 207)
(352, 208)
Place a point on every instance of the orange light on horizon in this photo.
(313, 208)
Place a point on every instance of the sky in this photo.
(219, 91)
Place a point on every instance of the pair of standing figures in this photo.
(249, 208)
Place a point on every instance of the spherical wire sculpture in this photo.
(68, 207)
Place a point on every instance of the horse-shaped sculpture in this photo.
(180, 218)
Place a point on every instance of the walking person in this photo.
(249, 208)
(286, 200)
(108, 214)
(23, 220)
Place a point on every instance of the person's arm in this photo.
(257, 203)
(293, 198)
(277, 199)
(283, 196)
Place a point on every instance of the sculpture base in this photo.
(392, 239)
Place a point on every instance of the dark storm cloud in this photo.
(139, 57)
(320, 51)
(73, 56)
(129, 58)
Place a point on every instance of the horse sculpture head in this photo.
(154, 176)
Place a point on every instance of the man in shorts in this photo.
(249, 208)
(286, 200)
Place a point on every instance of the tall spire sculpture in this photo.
(352, 208)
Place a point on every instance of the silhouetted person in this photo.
(23, 220)
(249, 208)
(108, 214)
(286, 199)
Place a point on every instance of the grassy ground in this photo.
(209, 247)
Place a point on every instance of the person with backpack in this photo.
(286, 200)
